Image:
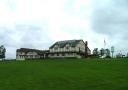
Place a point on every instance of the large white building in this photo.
(69, 48)
(60, 49)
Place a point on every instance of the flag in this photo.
(104, 43)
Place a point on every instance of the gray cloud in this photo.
(25, 36)
(111, 18)
(108, 18)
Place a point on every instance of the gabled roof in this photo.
(61, 44)
(26, 50)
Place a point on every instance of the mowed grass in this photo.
(64, 74)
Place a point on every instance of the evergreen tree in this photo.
(95, 52)
(102, 52)
(108, 54)
(2, 52)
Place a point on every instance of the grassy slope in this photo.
(64, 75)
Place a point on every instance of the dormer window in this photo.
(56, 47)
(67, 46)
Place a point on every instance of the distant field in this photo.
(64, 74)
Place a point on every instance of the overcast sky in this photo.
(39, 23)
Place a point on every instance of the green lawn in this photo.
(77, 74)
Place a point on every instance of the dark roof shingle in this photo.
(61, 44)
(26, 50)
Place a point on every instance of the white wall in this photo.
(62, 49)
(20, 58)
(65, 55)
(23, 56)
(80, 45)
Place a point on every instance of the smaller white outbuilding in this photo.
(26, 54)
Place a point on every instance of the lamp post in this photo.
(112, 50)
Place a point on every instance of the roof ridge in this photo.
(72, 42)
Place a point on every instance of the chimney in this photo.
(86, 49)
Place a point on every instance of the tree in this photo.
(2, 52)
(119, 55)
(102, 52)
(107, 52)
(95, 52)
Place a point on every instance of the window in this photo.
(71, 54)
(56, 48)
(57, 54)
(67, 47)
(63, 54)
(52, 54)
(36, 56)
(31, 56)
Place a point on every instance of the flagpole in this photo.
(104, 43)
(104, 47)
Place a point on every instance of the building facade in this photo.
(60, 49)
(69, 48)
(26, 54)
